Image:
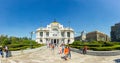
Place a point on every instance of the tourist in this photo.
(85, 50)
(63, 46)
(52, 46)
(4, 52)
(6, 48)
(55, 44)
(66, 52)
(69, 54)
(1, 53)
(47, 44)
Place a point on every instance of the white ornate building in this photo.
(55, 33)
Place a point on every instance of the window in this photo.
(68, 41)
(41, 40)
(54, 34)
(47, 33)
(41, 34)
(68, 34)
(62, 34)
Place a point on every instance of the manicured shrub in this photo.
(103, 48)
(108, 44)
(14, 49)
(97, 46)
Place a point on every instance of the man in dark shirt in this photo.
(1, 53)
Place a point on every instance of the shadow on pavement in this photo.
(117, 60)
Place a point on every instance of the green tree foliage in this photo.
(17, 43)
(5, 40)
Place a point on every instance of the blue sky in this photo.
(19, 17)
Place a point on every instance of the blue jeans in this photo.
(69, 55)
(1, 53)
(7, 54)
(62, 50)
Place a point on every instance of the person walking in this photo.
(63, 47)
(47, 43)
(66, 52)
(69, 54)
(6, 48)
(4, 52)
(1, 52)
(85, 50)
(52, 46)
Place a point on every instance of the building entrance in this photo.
(55, 41)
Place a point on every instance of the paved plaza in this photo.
(46, 55)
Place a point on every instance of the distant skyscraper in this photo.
(115, 32)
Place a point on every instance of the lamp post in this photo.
(31, 34)
(69, 33)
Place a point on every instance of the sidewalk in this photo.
(46, 55)
(21, 52)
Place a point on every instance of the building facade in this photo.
(115, 32)
(55, 33)
(97, 36)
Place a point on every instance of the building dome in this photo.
(55, 22)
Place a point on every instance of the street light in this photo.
(69, 33)
(31, 33)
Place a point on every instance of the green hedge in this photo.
(97, 46)
(78, 47)
(107, 48)
(89, 45)
(102, 48)
(15, 47)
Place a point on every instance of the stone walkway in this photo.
(45, 55)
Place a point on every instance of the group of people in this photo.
(4, 52)
(65, 50)
(52, 46)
